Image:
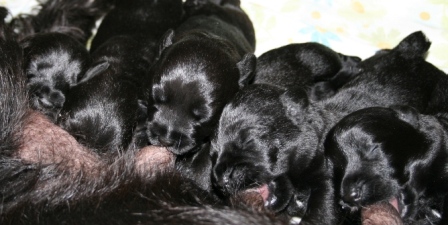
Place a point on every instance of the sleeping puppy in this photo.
(146, 22)
(275, 138)
(53, 43)
(397, 76)
(204, 62)
(259, 147)
(391, 155)
(103, 110)
(54, 63)
(312, 66)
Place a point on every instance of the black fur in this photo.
(202, 65)
(42, 193)
(268, 136)
(310, 66)
(54, 44)
(75, 18)
(379, 154)
(146, 21)
(103, 110)
(13, 101)
(258, 144)
(53, 64)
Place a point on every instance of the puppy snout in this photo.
(166, 141)
(224, 180)
(50, 98)
(352, 196)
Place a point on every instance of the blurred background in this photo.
(352, 27)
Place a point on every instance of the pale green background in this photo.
(354, 27)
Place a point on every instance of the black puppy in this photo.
(102, 111)
(284, 140)
(54, 63)
(397, 156)
(202, 65)
(53, 43)
(310, 66)
(258, 146)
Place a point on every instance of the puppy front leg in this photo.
(281, 194)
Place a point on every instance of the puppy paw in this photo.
(280, 194)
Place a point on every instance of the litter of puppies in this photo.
(169, 118)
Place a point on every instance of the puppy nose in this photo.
(353, 196)
(165, 141)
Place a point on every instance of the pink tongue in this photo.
(394, 203)
(264, 192)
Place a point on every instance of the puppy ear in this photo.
(407, 113)
(167, 40)
(295, 102)
(247, 69)
(93, 71)
(414, 45)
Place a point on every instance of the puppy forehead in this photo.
(55, 61)
(355, 140)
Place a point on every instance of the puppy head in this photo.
(366, 149)
(405, 57)
(193, 80)
(53, 64)
(252, 141)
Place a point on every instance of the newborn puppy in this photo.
(150, 20)
(102, 111)
(202, 65)
(397, 76)
(53, 64)
(397, 156)
(258, 146)
(310, 66)
(53, 43)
